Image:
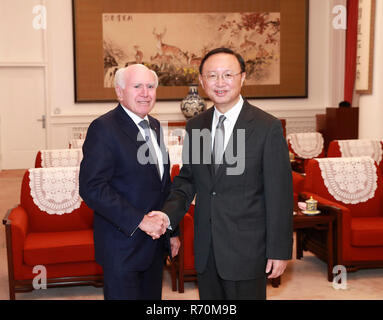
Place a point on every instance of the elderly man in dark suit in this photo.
(244, 198)
(124, 175)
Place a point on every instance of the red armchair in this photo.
(298, 185)
(357, 147)
(182, 267)
(62, 243)
(359, 224)
(304, 146)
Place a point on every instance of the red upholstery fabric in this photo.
(62, 243)
(188, 242)
(38, 160)
(360, 226)
(58, 247)
(39, 221)
(188, 238)
(334, 150)
(283, 122)
(174, 171)
(298, 185)
(367, 232)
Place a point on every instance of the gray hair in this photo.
(119, 79)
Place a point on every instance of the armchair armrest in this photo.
(16, 229)
(298, 181)
(343, 220)
(17, 218)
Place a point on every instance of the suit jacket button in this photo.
(213, 193)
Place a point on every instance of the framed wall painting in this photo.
(172, 36)
(365, 47)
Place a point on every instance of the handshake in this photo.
(154, 224)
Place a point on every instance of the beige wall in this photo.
(371, 106)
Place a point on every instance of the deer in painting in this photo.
(168, 50)
(139, 54)
(194, 61)
(247, 45)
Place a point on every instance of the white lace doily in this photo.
(306, 145)
(349, 180)
(359, 148)
(175, 154)
(76, 143)
(61, 158)
(55, 190)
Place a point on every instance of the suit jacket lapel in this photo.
(206, 148)
(244, 122)
(129, 127)
(155, 125)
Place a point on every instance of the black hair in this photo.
(223, 50)
(344, 104)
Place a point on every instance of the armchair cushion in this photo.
(367, 232)
(58, 247)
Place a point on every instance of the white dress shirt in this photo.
(137, 120)
(229, 123)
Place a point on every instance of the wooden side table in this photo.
(322, 221)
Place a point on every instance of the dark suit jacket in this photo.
(248, 216)
(121, 191)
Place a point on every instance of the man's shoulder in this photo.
(258, 112)
(106, 117)
(198, 120)
(260, 117)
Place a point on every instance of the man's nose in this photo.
(144, 91)
(220, 81)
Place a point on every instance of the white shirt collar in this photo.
(232, 114)
(133, 116)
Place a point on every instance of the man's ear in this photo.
(200, 81)
(118, 92)
(243, 78)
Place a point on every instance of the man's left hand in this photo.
(175, 244)
(277, 267)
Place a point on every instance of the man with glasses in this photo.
(243, 218)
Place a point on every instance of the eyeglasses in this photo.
(226, 76)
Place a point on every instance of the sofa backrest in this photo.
(375, 150)
(41, 221)
(58, 158)
(306, 145)
(314, 183)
